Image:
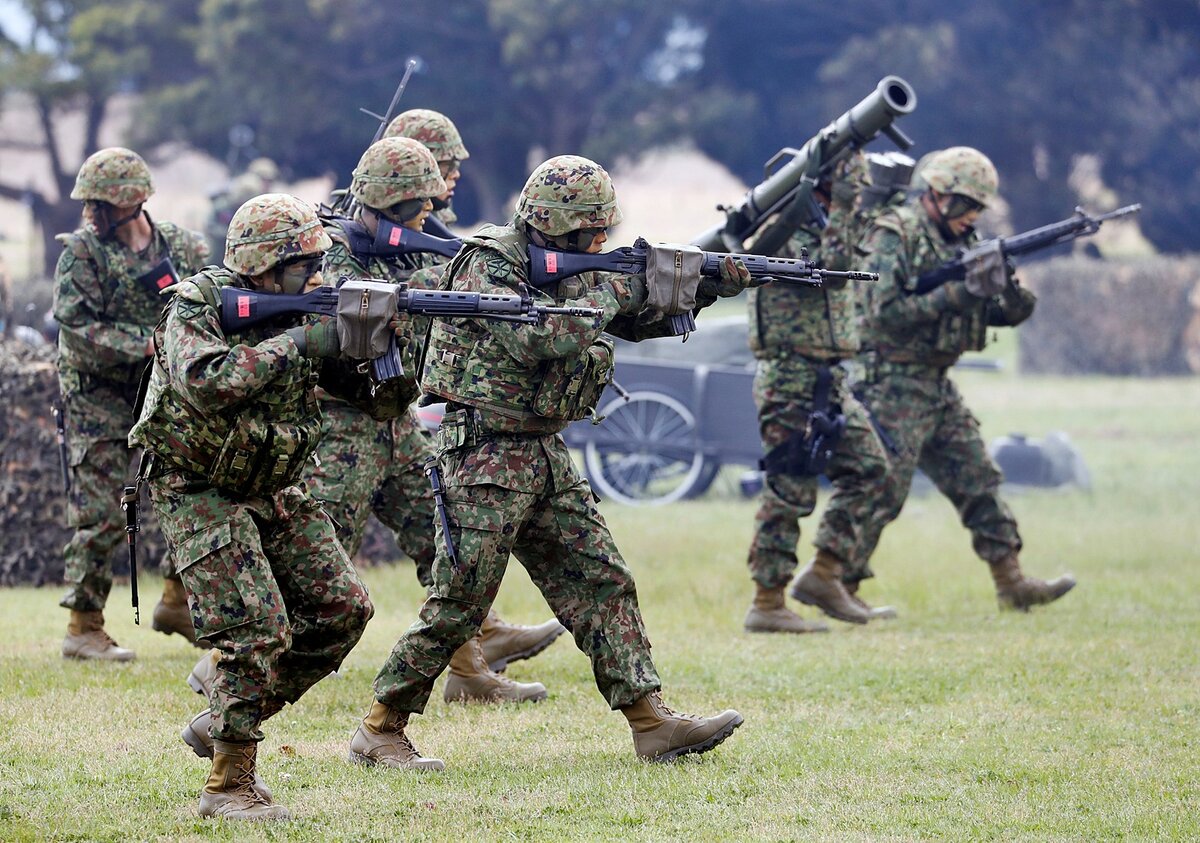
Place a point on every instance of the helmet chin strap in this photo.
(111, 230)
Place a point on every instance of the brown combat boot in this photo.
(820, 585)
(380, 739)
(507, 642)
(1017, 591)
(877, 613)
(659, 734)
(198, 735)
(171, 614)
(769, 614)
(230, 792)
(201, 678)
(471, 680)
(86, 639)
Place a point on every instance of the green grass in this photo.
(1077, 721)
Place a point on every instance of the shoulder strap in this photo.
(86, 246)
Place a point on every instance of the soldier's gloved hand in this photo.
(317, 339)
(735, 277)
(630, 292)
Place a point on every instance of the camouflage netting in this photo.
(32, 504)
(1136, 317)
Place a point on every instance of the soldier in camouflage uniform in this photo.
(260, 176)
(502, 642)
(441, 137)
(366, 465)
(510, 484)
(106, 301)
(231, 421)
(916, 334)
(799, 336)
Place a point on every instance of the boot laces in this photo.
(670, 712)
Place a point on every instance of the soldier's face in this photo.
(299, 274)
(450, 172)
(599, 238)
(959, 212)
(417, 223)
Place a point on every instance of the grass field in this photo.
(955, 722)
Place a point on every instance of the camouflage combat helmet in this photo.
(115, 175)
(271, 228)
(568, 193)
(962, 170)
(432, 128)
(264, 168)
(393, 170)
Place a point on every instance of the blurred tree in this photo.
(76, 56)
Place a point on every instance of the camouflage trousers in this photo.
(783, 393)
(924, 417)
(522, 495)
(268, 585)
(366, 466)
(99, 413)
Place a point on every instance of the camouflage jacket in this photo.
(106, 297)
(214, 400)
(788, 321)
(524, 378)
(936, 327)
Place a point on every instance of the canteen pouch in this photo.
(672, 276)
(571, 388)
(364, 312)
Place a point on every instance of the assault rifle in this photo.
(788, 188)
(345, 202)
(1078, 224)
(242, 309)
(547, 266)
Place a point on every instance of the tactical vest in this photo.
(131, 288)
(955, 331)
(811, 322)
(253, 449)
(467, 365)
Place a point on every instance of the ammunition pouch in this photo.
(364, 313)
(459, 429)
(571, 387)
(672, 278)
(807, 453)
(249, 457)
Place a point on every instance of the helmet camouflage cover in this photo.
(393, 170)
(115, 175)
(271, 228)
(568, 193)
(432, 128)
(962, 170)
(264, 168)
